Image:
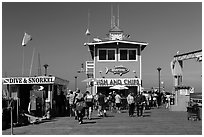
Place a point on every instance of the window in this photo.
(107, 54)
(123, 54)
(132, 54)
(111, 54)
(127, 54)
(102, 54)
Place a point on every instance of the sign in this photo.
(37, 87)
(118, 70)
(184, 92)
(117, 81)
(29, 80)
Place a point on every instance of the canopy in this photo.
(119, 87)
(89, 80)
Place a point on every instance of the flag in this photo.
(177, 68)
(26, 38)
(87, 32)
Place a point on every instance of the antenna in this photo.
(88, 18)
(111, 16)
(39, 66)
(113, 21)
(87, 31)
(118, 15)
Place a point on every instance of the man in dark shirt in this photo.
(140, 100)
(101, 105)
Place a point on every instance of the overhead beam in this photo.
(190, 55)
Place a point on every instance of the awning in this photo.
(89, 80)
(119, 87)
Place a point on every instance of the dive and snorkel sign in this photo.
(118, 70)
(29, 80)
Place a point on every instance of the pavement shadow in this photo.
(89, 122)
(95, 118)
(148, 112)
(109, 115)
(146, 115)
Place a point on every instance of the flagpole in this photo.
(31, 65)
(23, 63)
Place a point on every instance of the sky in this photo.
(58, 33)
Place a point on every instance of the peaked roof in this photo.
(116, 41)
(92, 44)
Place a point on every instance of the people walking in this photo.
(70, 98)
(80, 106)
(131, 104)
(140, 100)
(168, 97)
(111, 102)
(89, 100)
(118, 102)
(101, 105)
(155, 102)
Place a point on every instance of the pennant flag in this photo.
(26, 38)
(87, 32)
(177, 69)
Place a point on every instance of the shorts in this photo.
(89, 104)
(118, 104)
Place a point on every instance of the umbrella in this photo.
(119, 87)
(89, 80)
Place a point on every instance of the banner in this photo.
(117, 81)
(26, 38)
(29, 80)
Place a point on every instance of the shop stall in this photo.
(36, 95)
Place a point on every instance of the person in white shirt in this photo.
(131, 103)
(118, 102)
(168, 101)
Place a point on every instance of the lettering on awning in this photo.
(117, 81)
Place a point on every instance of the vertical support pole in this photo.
(159, 69)
(159, 82)
(52, 92)
(17, 108)
(11, 120)
(140, 57)
(75, 82)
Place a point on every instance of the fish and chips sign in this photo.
(29, 80)
(117, 81)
